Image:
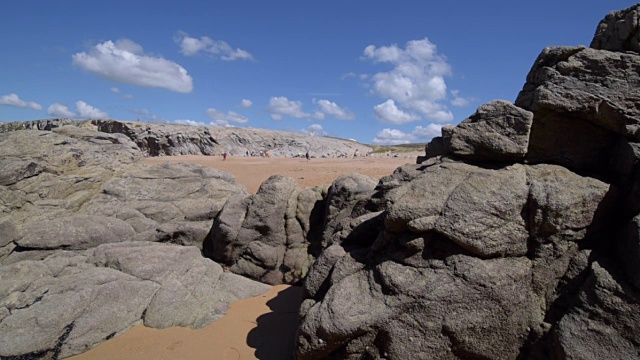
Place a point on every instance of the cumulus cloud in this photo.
(124, 61)
(89, 112)
(246, 103)
(280, 106)
(392, 137)
(189, 122)
(191, 46)
(60, 110)
(416, 81)
(332, 109)
(14, 100)
(388, 112)
(115, 90)
(223, 119)
(315, 130)
(419, 134)
(428, 132)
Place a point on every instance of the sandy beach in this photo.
(261, 327)
(252, 171)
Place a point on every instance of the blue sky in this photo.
(376, 71)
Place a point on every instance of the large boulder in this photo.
(264, 236)
(497, 132)
(582, 103)
(619, 31)
(466, 263)
(275, 235)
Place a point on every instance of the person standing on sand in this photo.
(307, 156)
(224, 156)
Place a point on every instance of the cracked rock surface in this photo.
(90, 242)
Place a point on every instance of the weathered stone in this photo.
(603, 322)
(259, 236)
(582, 103)
(66, 302)
(564, 206)
(479, 209)
(74, 232)
(497, 132)
(619, 31)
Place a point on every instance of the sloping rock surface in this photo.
(167, 139)
(81, 218)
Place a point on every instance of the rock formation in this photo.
(515, 236)
(89, 242)
(166, 139)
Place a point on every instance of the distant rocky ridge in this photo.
(516, 236)
(168, 139)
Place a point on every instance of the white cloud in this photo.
(419, 134)
(223, 119)
(191, 46)
(89, 112)
(281, 106)
(59, 110)
(331, 108)
(189, 122)
(124, 61)
(115, 90)
(416, 81)
(392, 137)
(428, 132)
(14, 100)
(315, 130)
(246, 103)
(388, 112)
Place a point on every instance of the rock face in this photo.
(515, 238)
(619, 31)
(165, 139)
(275, 235)
(497, 132)
(89, 242)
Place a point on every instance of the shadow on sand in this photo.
(274, 337)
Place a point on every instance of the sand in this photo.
(261, 327)
(252, 171)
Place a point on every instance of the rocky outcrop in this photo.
(62, 303)
(619, 31)
(497, 132)
(89, 241)
(516, 236)
(275, 235)
(169, 139)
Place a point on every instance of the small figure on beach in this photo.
(307, 156)
(224, 156)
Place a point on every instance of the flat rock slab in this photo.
(71, 301)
